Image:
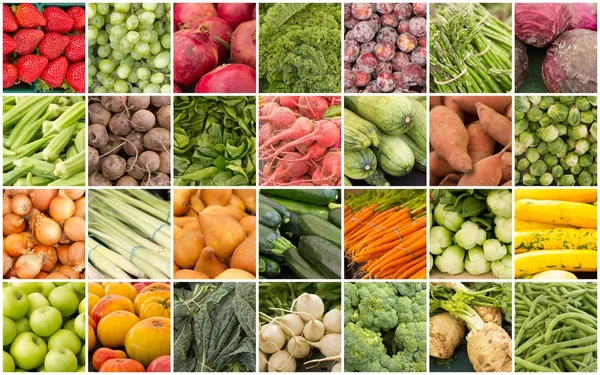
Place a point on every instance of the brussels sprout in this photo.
(566, 99)
(563, 151)
(546, 102)
(594, 180)
(551, 160)
(593, 100)
(532, 155)
(516, 177)
(571, 159)
(588, 117)
(571, 144)
(493, 250)
(574, 116)
(593, 169)
(542, 148)
(593, 137)
(534, 126)
(475, 262)
(557, 171)
(535, 100)
(549, 133)
(567, 180)
(439, 238)
(448, 219)
(529, 179)
(536, 140)
(500, 202)
(521, 125)
(546, 120)
(469, 235)
(555, 146)
(576, 169)
(582, 104)
(558, 112)
(503, 229)
(577, 132)
(562, 129)
(534, 114)
(593, 149)
(451, 260)
(546, 179)
(522, 104)
(519, 115)
(564, 165)
(585, 160)
(503, 268)
(526, 138)
(538, 168)
(523, 164)
(582, 146)
(519, 148)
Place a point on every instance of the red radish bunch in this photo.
(299, 139)
(214, 48)
(47, 47)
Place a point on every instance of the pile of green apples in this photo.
(44, 325)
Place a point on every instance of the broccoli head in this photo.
(377, 307)
(411, 337)
(364, 349)
(409, 289)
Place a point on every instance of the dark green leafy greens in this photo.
(214, 140)
(215, 328)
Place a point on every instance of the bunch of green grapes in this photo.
(129, 47)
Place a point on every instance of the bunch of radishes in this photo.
(293, 335)
(299, 139)
(215, 48)
(385, 47)
(46, 48)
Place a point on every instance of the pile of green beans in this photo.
(556, 325)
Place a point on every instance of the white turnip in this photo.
(271, 338)
(313, 330)
(333, 321)
(298, 347)
(329, 345)
(309, 306)
(281, 361)
(262, 362)
(292, 322)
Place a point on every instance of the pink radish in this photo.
(289, 101)
(301, 127)
(280, 118)
(313, 107)
(314, 152)
(331, 170)
(266, 109)
(326, 133)
(264, 133)
(486, 172)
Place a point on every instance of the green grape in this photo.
(92, 70)
(118, 31)
(165, 89)
(154, 36)
(162, 60)
(157, 78)
(143, 73)
(142, 48)
(100, 90)
(103, 8)
(127, 60)
(159, 27)
(107, 66)
(117, 18)
(92, 32)
(150, 6)
(159, 12)
(108, 83)
(124, 44)
(92, 10)
(135, 55)
(104, 51)
(122, 7)
(146, 36)
(123, 71)
(132, 22)
(155, 48)
(133, 78)
(143, 83)
(133, 37)
(97, 21)
(136, 90)
(101, 76)
(147, 18)
(102, 38)
(165, 41)
(117, 55)
(152, 89)
(121, 86)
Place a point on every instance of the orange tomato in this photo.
(113, 328)
(92, 300)
(149, 339)
(91, 338)
(121, 365)
(110, 303)
(96, 288)
(104, 354)
(155, 286)
(155, 306)
(143, 296)
(91, 322)
(121, 289)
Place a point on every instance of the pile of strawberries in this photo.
(49, 47)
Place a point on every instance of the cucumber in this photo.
(291, 229)
(320, 197)
(268, 267)
(335, 217)
(313, 225)
(271, 243)
(268, 217)
(303, 208)
(300, 266)
(283, 212)
(322, 254)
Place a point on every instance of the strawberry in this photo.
(9, 22)
(26, 40)
(30, 67)
(29, 17)
(76, 76)
(75, 51)
(52, 45)
(10, 75)
(57, 20)
(8, 44)
(55, 73)
(78, 16)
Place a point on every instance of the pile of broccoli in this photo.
(385, 327)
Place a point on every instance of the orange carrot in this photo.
(403, 259)
(421, 275)
(383, 251)
(411, 271)
(373, 224)
(360, 217)
(408, 241)
(399, 232)
(390, 223)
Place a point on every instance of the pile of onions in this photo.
(44, 233)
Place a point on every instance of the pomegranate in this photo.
(243, 44)
(220, 35)
(194, 55)
(185, 14)
(228, 78)
(235, 13)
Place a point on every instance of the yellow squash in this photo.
(522, 225)
(534, 262)
(554, 239)
(567, 195)
(580, 215)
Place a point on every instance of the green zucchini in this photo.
(291, 229)
(394, 156)
(300, 266)
(314, 225)
(377, 178)
(335, 217)
(283, 212)
(391, 114)
(418, 132)
(320, 197)
(303, 208)
(358, 132)
(419, 153)
(322, 254)
(360, 164)
(268, 267)
(271, 243)
(347, 182)
(267, 216)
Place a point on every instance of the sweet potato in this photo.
(496, 125)
(222, 233)
(438, 166)
(450, 103)
(486, 172)
(451, 180)
(434, 101)
(468, 103)
(449, 138)
(481, 145)
(507, 166)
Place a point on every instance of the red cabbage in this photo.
(570, 63)
(585, 16)
(521, 63)
(539, 24)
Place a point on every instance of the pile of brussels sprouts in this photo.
(556, 140)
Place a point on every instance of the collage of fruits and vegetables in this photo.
(300, 187)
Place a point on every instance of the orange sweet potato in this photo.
(449, 138)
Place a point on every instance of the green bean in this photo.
(556, 320)
(532, 366)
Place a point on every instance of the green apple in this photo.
(9, 331)
(70, 325)
(15, 302)
(8, 364)
(81, 356)
(36, 300)
(28, 287)
(80, 326)
(60, 360)
(45, 321)
(65, 339)
(47, 287)
(22, 325)
(64, 299)
(82, 306)
(78, 287)
(28, 351)
(60, 283)
(82, 369)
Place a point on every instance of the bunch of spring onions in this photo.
(470, 51)
(129, 235)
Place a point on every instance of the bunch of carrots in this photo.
(385, 233)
